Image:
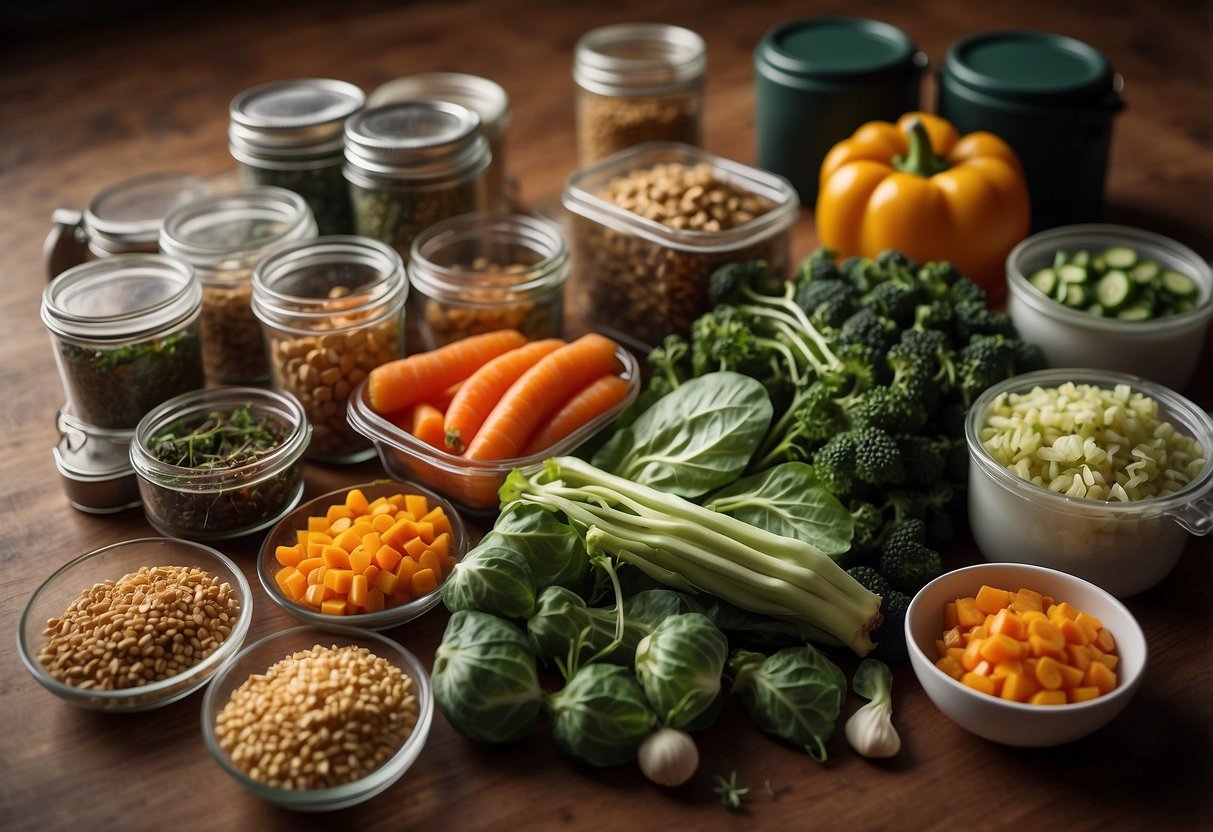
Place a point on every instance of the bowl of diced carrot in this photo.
(1024, 655)
(373, 555)
(460, 417)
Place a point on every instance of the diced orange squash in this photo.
(1007, 623)
(1001, 648)
(950, 619)
(386, 582)
(339, 525)
(991, 599)
(356, 501)
(1098, 675)
(1045, 639)
(382, 522)
(387, 557)
(405, 570)
(425, 530)
(437, 518)
(339, 580)
(308, 564)
(1078, 656)
(1062, 610)
(375, 600)
(1026, 600)
(1019, 687)
(1071, 632)
(1071, 677)
(441, 545)
(1048, 697)
(292, 582)
(972, 654)
(951, 667)
(358, 590)
(1082, 694)
(316, 576)
(317, 594)
(429, 560)
(1048, 673)
(361, 558)
(416, 504)
(967, 614)
(424, 582)
(288, 555)
(1104, 641)
(348, 539)
(414, 548)
(981, 683)
(371, 573)
(957, 654)
(336, 557)
(333, 606)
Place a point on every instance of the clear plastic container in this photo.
(290, 134)
(412, 164)
(651, 224)
(480, 272)
(637, 82)
(223, 236)
(332, 309)
(213, 497)
(126, 336)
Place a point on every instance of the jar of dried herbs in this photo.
(126, 333)
(291, 134)
(412, 164)
(223, 236)
(637, 82)
(332, 309)
(480, 272)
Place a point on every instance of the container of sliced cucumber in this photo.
(1112, 297)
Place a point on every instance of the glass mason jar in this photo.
(637, 82)
(223, 237)
(332, 309)
(412, 164)
(125, 218)
(480, 272)
(290, 134)
(484, 97)
(126, 335)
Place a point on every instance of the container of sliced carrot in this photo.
(373, 555)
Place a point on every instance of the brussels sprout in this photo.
(679, 666)
(491, 578)
(486, 679)
(795, 694)
(601, 715)
(553, 549)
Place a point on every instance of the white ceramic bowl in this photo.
(1124, 547)
(1165, 350)
(1016, 723)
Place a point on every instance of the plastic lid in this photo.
(220, 230)
(837, 48)
(302, 115)
(416, 140)
(131, 212)
(1029, 64)
(638, 58)
(486, 97)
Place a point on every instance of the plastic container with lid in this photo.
(223, 236)
(291, 134)
(95, 466)
(332, 309)
(484, 97)
(480, 272)
(819, 78)
(412, 164)
(1053, 99)
(125, 218)
(126, 335)
(637, 82)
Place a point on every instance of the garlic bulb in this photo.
(669, 757)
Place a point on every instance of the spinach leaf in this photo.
(788, 500)
(695, 439)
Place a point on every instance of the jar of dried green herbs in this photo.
(222, 237)
(332, 310)
(637, 82)
(290, 134)
(126, 334)
(411, 164)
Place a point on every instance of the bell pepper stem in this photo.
(920, 159)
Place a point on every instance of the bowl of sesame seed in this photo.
(135, 625)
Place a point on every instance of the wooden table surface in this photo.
(81, 108)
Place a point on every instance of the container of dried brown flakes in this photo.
(649, 226)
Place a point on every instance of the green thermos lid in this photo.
(830, 50)
(1030, 66)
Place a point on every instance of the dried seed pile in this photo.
(318, 718)
(144, 627)
(490, 301)
(608, 124)
(233, 351)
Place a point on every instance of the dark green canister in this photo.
(1053, 99)
(817, 79)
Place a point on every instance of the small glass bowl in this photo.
(109, 563)
(284, 534)
(215, 504)
(471, 483)
(259, 656)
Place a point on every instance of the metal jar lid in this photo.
(638, 59)
(1031, 67)
(95, 466)
(835, 50)
(296, 117)
(422, 141)
(486, 98)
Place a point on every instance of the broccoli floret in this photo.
(834, 463)
(895, 264)
(815, 418)
(964, 290)
(730, 283)
(669, 361)
(934, 347)
(867, 327)
(869, 523)
(890, 636)
(934, 315)
(820, 265)
(983, 362)
(877, 459)
(871, 580)
(722, 340)
(895, 301)
(906, 561)
(1029, 357)
(973, 318)
(860, 272)
(926, 457)
(890, 409)
(938, 277)
(828, 303)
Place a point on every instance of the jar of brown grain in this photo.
(332, 309)
(223, 236)
(637, 82)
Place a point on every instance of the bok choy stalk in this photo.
(688, 547)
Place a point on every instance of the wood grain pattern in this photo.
(81, 108)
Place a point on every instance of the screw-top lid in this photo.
(129, 213)
(417, 140)
(485, 97)
(95, 465)
(301, 116)
(836, 49)
(226, 229)
(1029, 65)
(638, 59)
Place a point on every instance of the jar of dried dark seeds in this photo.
(412, 164)
(291, 134)
(332, 310)
(126, 335)
(637, 82)
(223, 236)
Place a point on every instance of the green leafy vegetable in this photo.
(679, 666)
(491, 578)
(601, 716)
(553, 551)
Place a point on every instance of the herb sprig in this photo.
(221, 441)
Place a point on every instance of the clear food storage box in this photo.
(650, 225)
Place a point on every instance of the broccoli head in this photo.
(896, 301)
(890, 409)
(869, 522)
(871, 580)
(982, 363)
(906, 561)
(828, 303)
(877, 460)
(834, 463)
(938, 277)
(820, 265)
(730, 282)
(890, 636)
(926, 457)
(973, 318)
(869, 328)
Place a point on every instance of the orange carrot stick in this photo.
(485, 387)
(539, 392)
(424, 376)
(427, 424)
(591, 402)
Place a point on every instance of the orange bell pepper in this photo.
(918, 187)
